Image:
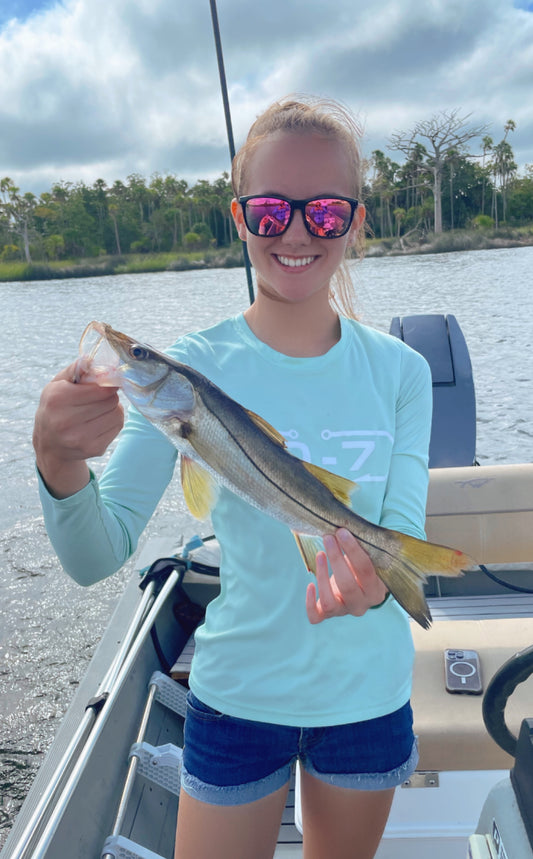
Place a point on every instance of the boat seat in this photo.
(486, 511)
(452, 735)
(440, 340)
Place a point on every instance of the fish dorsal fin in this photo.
(267, 428)
(340, 487)
(200, 489)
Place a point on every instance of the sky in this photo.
(93, 89)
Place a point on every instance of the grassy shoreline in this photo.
(451, 241)
(232, 257)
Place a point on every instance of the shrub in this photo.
(193, 241)
(483, 222)
(10, 252)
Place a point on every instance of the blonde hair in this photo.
(311, 115)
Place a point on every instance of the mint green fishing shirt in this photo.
(362, 410)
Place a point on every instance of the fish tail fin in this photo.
(406, 574)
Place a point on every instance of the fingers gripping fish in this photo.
(222, 442)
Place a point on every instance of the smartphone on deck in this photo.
(462, 671)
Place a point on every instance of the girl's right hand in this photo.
(73, 422)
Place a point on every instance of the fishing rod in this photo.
(229, 128)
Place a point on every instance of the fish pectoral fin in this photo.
(308, 546)
(340, 487)
(267, 428)
(200, 489)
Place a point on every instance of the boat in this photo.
(109, 786)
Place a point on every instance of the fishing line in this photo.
(229, 128)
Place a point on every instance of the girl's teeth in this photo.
(294, 262)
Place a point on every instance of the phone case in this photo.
(462, 672)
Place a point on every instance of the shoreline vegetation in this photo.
(442, 198)
(232, 256)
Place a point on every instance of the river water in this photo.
(48, 625)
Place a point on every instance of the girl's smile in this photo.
(295, 262)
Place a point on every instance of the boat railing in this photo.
(161, 765)
(48, 813)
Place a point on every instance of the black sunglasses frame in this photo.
(298, 205)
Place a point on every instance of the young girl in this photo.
(286, 667)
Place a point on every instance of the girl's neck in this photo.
(297, 330)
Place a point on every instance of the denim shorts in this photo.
(231, 761)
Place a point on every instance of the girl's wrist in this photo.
(63, 478)
(379, 604)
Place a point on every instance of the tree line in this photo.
(77, 220)
(441, 185)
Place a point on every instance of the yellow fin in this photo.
(433, 559)
(267, 428)
(200, 489)
(308, 547)
(340, 487)
(405, 573)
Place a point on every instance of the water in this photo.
(49, 626)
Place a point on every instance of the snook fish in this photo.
(222, 442)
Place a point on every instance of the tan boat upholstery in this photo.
(486, 511)
(452, 735)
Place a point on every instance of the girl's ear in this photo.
(357, 223)
(238, 218)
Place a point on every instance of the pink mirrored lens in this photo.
(267, 216)
(328, 217)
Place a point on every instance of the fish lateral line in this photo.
(280, 450)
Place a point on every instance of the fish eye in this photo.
(138, 352)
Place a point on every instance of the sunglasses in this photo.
(326, 217)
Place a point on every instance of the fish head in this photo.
(149, 379)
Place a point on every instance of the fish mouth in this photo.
(99, 337)
(97, 347)
(117, 360)
(295, 262)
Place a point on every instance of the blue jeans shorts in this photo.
(231, 761)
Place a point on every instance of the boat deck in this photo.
(487, 607)
(289, 839)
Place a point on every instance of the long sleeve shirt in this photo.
(362, 410)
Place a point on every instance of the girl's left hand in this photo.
(353, 586)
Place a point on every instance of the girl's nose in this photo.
(297, 231)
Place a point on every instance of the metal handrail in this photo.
(54, 820)
(78, 742)
(132, 768)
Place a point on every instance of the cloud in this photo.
(96, 89)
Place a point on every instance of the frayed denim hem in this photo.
(368, 781)
(238, 794)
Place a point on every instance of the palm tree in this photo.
(503, 168)
(486, 145)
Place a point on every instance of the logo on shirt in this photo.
(349, 452)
